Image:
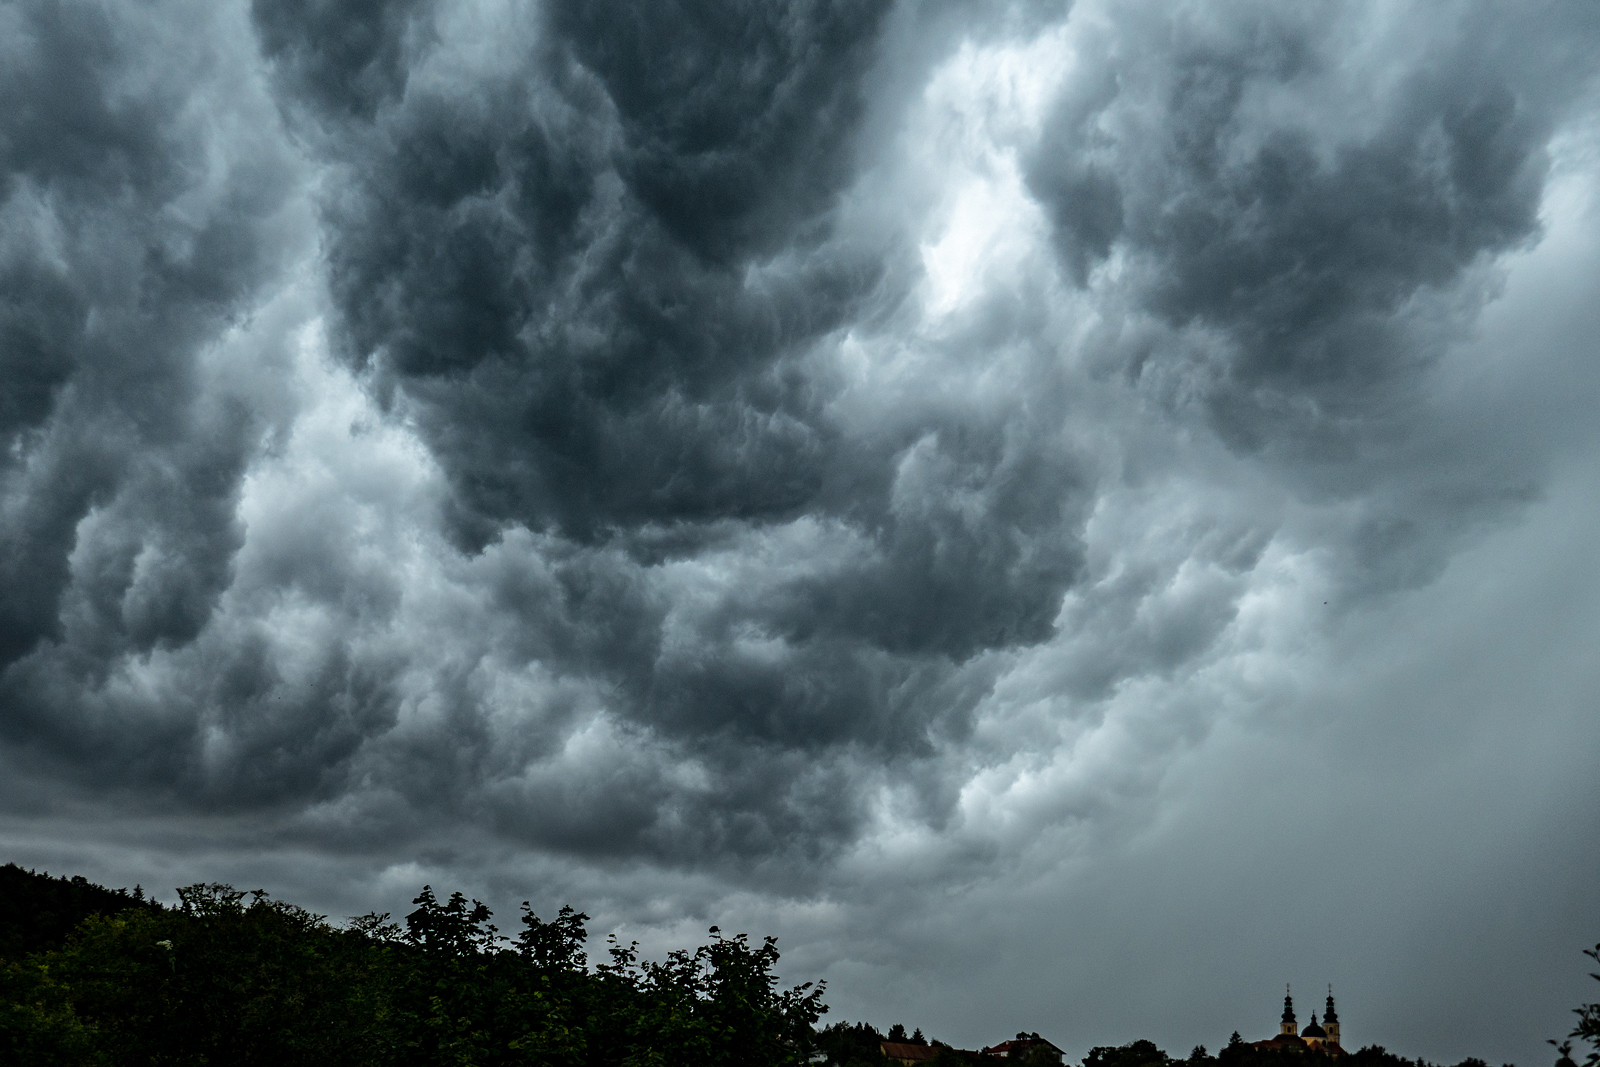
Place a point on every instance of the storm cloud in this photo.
(751, 458)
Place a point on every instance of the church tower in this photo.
(1288, 1026)
(1330, 1020)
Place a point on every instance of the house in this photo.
(907, 1053)
(1031, 1047)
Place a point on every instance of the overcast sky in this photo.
(1072, 516)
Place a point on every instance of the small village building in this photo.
(1035, 1048)
(907, 1053)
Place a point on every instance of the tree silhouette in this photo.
(1588, 1028)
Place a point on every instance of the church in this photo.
(1316, 1037)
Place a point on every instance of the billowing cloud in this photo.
(132, 237)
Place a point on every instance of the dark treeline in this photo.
(93, 977)
(38, 912)
(1240, 1053)
(236, 978)
(857, 1045)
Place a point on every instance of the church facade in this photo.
(1317, 1037)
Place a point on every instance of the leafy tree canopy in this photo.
(232, 976)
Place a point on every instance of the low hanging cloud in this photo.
(739, 441)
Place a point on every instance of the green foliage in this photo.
(218, 981)
(37, 1023)
(1133, 1054)
(851, 1044)
(38, 912)
(233, 977)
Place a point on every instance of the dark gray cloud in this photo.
(344, 58)
(752, 459)
(1294, 252)
(552, 260)
(125, 251)
(1302, 253)
(595, 273)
